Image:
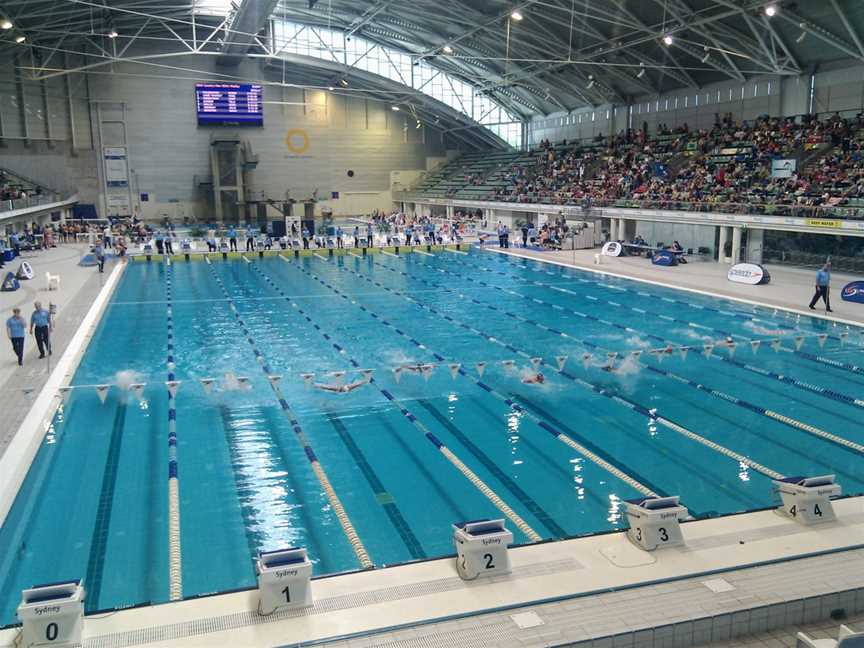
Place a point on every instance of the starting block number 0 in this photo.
(51, 631)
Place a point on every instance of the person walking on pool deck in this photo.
(15, 328)
(823, 281)
(41, 321)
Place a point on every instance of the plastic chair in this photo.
(846, 639)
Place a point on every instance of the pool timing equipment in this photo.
(482, 548)
(52, 614)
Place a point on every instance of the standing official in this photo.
(823, 287)
(41, 326)
(15, 328)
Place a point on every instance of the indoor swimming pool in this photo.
(646, 390)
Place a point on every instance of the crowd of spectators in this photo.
(728, 165)
(13, 189)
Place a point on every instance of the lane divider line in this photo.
(591, 386)
(332, 498)
(740, 402)
(175, 562)
(469, 474)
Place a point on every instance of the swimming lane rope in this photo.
(469, 474)
(335, 503)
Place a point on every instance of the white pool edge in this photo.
(16, 461)
(653, 282)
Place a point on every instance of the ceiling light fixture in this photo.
(590, 81)
(707, 55)
(6, 24)
(343, 83)
(394, 108)
(771, 10)
(330, 88)
(641, 72)
(516, 15)
(668, 39)
(20, 39)
(447, 49)
(112, 33)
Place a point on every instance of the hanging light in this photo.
(668, 39)
(641, 72)
(707, 55)
(20, 39)
(771, 10)
(803, 34)
(330, 88)
(516, 15)
(590, 81)
(394, 108)
(5, 24)
(343, 82)
(112, 33)
(447, 49)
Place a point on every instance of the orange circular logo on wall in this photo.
(297, 140)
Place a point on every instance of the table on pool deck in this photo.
(19, 386)
(790, 288)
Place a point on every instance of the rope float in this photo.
(621, 400)
(335, 503)
(754, 408)
(469, 474)
(175, 562)
(842, 337)
(543, 424)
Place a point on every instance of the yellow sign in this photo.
(297, 140)
(823, 222)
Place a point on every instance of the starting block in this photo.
(807, 499)
(52, 614)
(284, 579)
(481, 548)
(655, 522)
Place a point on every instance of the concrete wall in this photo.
(167, 149)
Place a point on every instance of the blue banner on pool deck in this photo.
(664, 258)
(853, 292)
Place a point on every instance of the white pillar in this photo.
(736, 244)
(613, 229)
(721, 253)
(622, 229)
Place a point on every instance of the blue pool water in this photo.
(95, 502)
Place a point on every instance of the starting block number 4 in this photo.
(807, 500)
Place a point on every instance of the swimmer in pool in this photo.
(416, 368)
(534, 379)
(341, 389)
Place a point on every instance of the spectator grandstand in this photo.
(727, 168)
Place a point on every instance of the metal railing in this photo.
(31, 201)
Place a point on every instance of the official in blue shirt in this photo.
(41, 325)
(823, 282)
(15, 328)
(160, 242)
(369, 238)
(232, 239)
(250, 239)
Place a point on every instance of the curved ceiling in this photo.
(562, 54)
